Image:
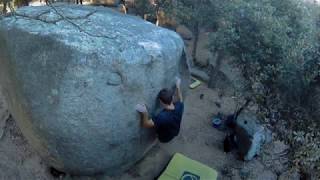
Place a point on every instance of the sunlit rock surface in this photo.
(73, 75)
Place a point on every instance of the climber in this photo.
(167, 122)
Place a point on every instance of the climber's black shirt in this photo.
(167, 123)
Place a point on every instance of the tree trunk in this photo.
(22, 3)
(215, 73)
(195, 41)
(4, 10)
(25, 3)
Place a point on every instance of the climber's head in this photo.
(165, 96)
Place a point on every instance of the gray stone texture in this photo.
(72, 76)
(4, 114)
(184, 32)
(203, 54)
(275, 156)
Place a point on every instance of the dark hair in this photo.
(165, 95)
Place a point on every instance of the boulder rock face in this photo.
(72, 76)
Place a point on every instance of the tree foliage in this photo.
(143, 7)
(277, 45)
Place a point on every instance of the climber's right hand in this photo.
(178, 82)
(141, 108)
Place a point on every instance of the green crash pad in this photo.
(183, 168)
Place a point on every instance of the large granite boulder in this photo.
(72, 76)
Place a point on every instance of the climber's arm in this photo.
(145, 121)
(178, 89)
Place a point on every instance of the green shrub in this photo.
(275, 43)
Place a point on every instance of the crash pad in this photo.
(184, 168)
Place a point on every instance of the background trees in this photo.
(6, 4)
(274, 42)
(277, 46)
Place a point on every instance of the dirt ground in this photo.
(197, 140)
